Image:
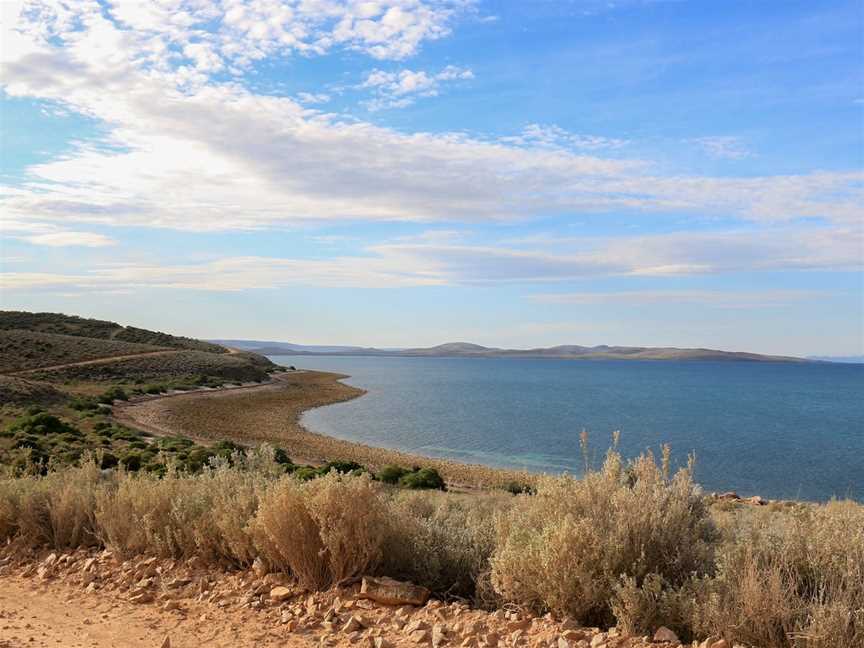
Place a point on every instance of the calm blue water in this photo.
(778, 430)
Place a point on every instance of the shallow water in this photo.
(779, 430)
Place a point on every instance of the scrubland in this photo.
(628, 544)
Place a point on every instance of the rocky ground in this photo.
(97, 599)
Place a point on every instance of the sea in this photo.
(779, 430)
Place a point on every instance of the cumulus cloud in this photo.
(401, 89)
(186, 151)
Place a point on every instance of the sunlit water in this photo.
(779, 430)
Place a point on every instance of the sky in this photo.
(412, 172)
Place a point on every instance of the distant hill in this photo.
(275, 348)
(469, 350)
(854, 359)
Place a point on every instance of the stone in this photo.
(491, 639)
(438, 635)
(143, 597)
(392, 592)
(416, 624)
(166, 643)
(352, 625)
(756, 500)
(381, 642)
(419, 636)
(280, 593)
(722, 643)
(730, 495)
(518, 624)
(597, 640)
(663, 634)
(260, 568)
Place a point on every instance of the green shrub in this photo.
(281, 457)
(84, 403)
(423, 478)
(131, 461)
(115, 393)
(391, 474)
(108, 460)
(518, 488)
(343, 467)
(43, 424)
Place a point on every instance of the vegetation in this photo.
(69, 325)
(771, 576)
(23, 350)
(183, 367)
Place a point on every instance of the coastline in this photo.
(271, 412)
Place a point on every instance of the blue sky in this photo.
(409, 172)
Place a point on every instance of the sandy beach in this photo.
(270, 413)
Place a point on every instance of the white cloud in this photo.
(438, 259)
(555, 137)
(713, 298)
(189, 153)
(313, 97)
(724, 147)
(400, 89)
(65, 239)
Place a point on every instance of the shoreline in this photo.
(271, 413)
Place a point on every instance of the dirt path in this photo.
(57, 615)
(96, 361)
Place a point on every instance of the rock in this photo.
(756, 500)
(419, 636)
(381, 642)
(170, 605)
(663, 634)
(353, 624)
(730, 495)
(280, 593)
(260, 568)
(438, 635)
(166, 643)
(416, 624)
(50, 560)
(392, 592)
(518, 624)
(564, 643)
(597, 640)
(143, 597)
(491, 639)
(572, 635)
(721, 643)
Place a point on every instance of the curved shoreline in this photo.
(271, 412)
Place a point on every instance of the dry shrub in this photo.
(55, 511)
(323, 531)
(442, 541)
(134, 516)
(566, 548)
(791, 578)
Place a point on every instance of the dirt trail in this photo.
(36, 614)
(81, 363)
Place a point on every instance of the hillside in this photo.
(71, 325)
(59, 347)
(565, 352)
